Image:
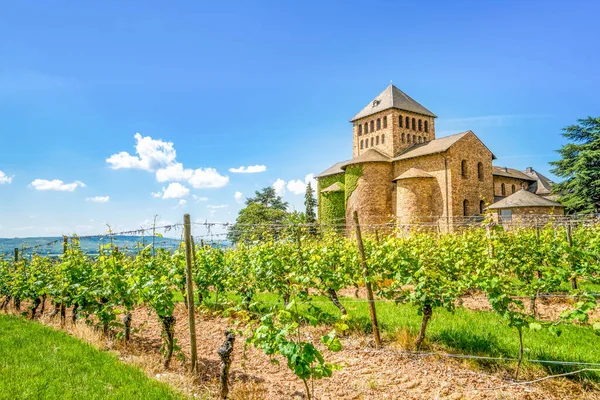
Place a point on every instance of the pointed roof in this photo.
(524, 198)
(336, 187)
(435, 146)
(333, 170)
(413, 173)
(392, 97)
(511, 173)
(371, 155)
(543, 185)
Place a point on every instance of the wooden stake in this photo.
(365, 271)
(187, 232)
(570, 241)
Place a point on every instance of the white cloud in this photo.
(198, 199)
(175, 190)
(4, 178)
(151, 155)
(311, 178)
(279, 187)
(99, 199)
(203, 178)
(238, 196)
(56, 184)
(251, 169)
(173, 172)
(216, 207)
(157, 195)
(159, 156)
(182, 203)
(296, 187)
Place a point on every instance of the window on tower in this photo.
(463, 168)
(382, 139)
(419, 138)
(480, 171)
(414, 139)
(385, 122)
(513, 188)
(420, 125)
(407, 120)
(366, 128)
(361, 144)
(359, 130)
(465, 207)
(426, 126)
(403, 139)
(372, 142)
(372, 126)
(503, 190)
(414, 124)
(400, 121)
(378, 123)
(481, 206)
(407, 138)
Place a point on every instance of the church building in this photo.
(400, 171)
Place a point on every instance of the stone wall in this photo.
(372, 197)
(529, 215)
(393, 133)
(508, 183)
(414, 197)
(470, 186)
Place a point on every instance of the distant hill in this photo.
(54, 245)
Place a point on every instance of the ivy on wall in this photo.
(353, 172)
(332, 205)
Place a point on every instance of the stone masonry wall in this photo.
(372, 197)
(414, 198)
(508, 182)
(392, 143)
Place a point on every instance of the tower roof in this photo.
(371, 155)
(523, 198)
(392, 97)
(413, 173)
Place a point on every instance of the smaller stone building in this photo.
(525, 207)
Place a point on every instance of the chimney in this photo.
(529, 170)
(505, 169)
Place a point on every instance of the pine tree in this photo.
(311, 203)
(580, 166)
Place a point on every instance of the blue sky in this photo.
(260, 84)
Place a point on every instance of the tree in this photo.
(311, 203)
(268, 198)
(580, 166)
(260, 217)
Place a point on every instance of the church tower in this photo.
(391, 123)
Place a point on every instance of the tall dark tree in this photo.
(310, 203)
(262, 215)
(580, 167)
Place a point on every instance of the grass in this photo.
(39, 362)
(464, 331)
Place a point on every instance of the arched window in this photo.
(407, 125)
(503, 190)
(480, 171)
(361, 144)
(463, 168)
(371, 142)
(513, 188)
(400, 121)
(359, 130)
(366, 143)
(420, 125)
(366, 127)
(382, 139)
(372, 126)
(414, 124)
(385, 122)
(378, 123)
(426, 126)
(414, 139)
(408, 138)
(481, 206)
(377, 140)
(419, 138)
(403, 138)
(465, 207)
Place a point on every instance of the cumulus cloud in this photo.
(198, 199)
(175, 190)
(216, 207)
(156, 195)
(238, 196)
(56, 184)
(279, 187)
(99, 199)
(151, 155)
(251, 169)
(5, 178)
(296, 187)
(182, 203)
(159, 157)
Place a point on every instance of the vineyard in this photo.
(275, 286)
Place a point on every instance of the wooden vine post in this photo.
(189, 283)
(17, 299)
(225, 354)
(570, 242)
(63, 307)
(365, 272)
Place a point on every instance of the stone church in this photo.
(400, 171)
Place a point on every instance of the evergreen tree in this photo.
(580, 167)
(311, 203)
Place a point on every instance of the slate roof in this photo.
(542, 185)
(413, 173)
(333, 170)
(336, 187)
(392, 97)
(524, 198)
(511, 173)
(371, 155)
(432, 147)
